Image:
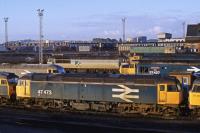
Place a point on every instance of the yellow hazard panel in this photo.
(174, 98)
(23, 88)
(135, 57)
(127, 71)
(194, 98)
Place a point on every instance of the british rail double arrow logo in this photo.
(193, 69)
(125, 93)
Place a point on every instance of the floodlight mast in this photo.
(124, 28)
(6, 30)
(40, 14)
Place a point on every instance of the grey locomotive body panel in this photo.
(94, 92)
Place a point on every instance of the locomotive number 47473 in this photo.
(44, 92)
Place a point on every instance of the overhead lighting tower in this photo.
(124, 28)
(6, 30)
(40, 14)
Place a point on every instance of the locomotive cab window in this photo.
(55, 71)
(3, 82)
(162, 87)
(49, 71)
(171, 88)
(52, 71)
(144, 69)
(21, 83)
(125, 66)
(185, 80)
(132, 66)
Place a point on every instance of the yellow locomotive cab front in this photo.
(169, 94)
(194, 96)
(23, 88)
(127, 69)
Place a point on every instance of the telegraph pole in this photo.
(124, 29)
(6, 31)
(40, 14)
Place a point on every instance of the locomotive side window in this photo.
(162, 87)
(52, 71)
(171, 88)
(196, 88)
(132, 66)
(3, 82)
(55, 71)
(185, 80)
(144, 69)
(49, 71)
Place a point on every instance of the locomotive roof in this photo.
(181, 73)
(25, 66)
(168, 61)
(103, 78)
(7, 75)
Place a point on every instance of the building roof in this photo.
(7, 75)
(193, 30)
(193, 33)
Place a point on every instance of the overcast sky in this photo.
(86, 19)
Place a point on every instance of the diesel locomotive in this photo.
(133, 65)
(101, 92)
(23, 69)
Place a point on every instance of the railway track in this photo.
(68, 122)
(107, 115)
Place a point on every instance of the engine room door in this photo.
(162, 93)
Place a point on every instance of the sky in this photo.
(87, 19)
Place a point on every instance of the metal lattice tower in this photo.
(6, 30)
(40, 14)
(124, 28)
